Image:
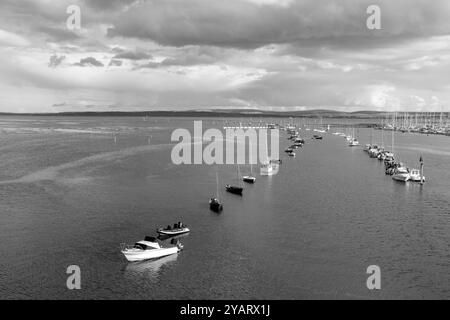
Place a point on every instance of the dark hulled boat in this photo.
(249, 179)
(215, 205)
(234, 189)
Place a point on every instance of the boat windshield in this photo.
(141, 246)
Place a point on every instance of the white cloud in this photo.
(9, 39)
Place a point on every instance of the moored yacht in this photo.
(415, 176)
(289, 150)
(268, 169)
(249, 179)
(215, 205)
(234, 189)
(149, 248)
(401, 174)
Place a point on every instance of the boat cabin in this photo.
(147, 244)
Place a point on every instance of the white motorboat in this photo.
(415, 176)
(354, 143)
(148, 270)
(149, 248)
(403, 177)
(374, 152)
(401, 174)
(269, 169)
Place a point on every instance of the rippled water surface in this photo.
(70, 195)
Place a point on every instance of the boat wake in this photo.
(55, 172)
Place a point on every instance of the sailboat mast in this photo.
(371, 136)
(251, 160)
(217, 185)
(393, 132)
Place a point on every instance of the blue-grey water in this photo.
(70, 195)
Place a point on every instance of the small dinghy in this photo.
(178, 228)
(149, 248)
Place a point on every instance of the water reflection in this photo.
(149, 269)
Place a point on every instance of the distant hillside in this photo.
(216, 113)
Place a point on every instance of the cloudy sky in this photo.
(192, 54)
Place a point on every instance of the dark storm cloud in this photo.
(246, 25)
(190, 56)
(108, 4)
(133, 55)
(89, 62)
(115, 63)
(55, 60)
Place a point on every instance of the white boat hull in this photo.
(269, 170)
(140, 255)
(249, 179)
(403, 177)
(415, 178)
